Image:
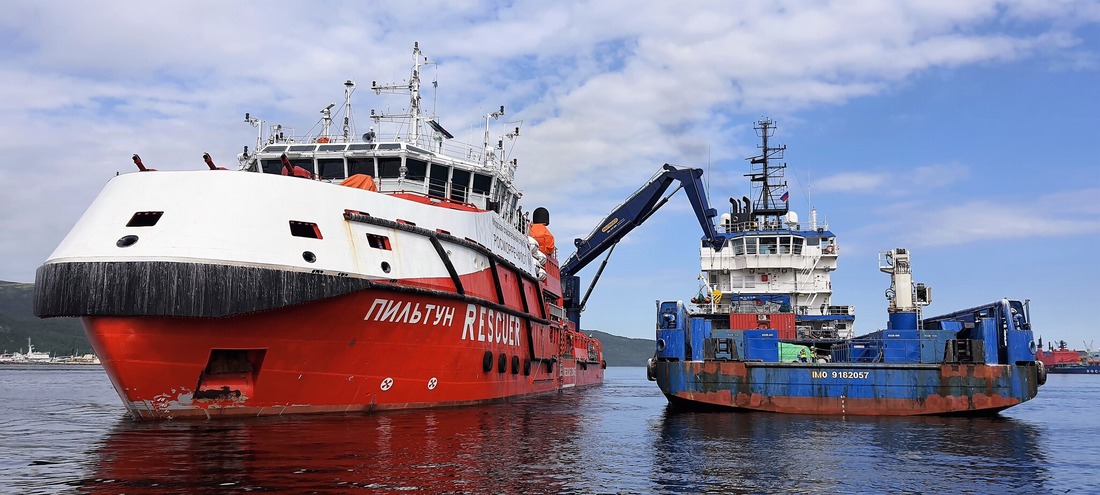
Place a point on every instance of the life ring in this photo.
(829, 249)
(487, 361)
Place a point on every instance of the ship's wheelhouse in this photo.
(398, 167)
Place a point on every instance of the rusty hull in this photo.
(842, 389)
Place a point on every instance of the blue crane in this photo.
(630, 214)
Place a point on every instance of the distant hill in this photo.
(58, 336)
(621, 351)
(65, 337)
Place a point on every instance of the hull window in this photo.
(378, 241)
(144, 219)
(305, 229)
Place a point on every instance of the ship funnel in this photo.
(541, 215)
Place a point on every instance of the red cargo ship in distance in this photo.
(331, 273)
(1063, 360)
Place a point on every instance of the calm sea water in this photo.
(63, 430)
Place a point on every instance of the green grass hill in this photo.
(58, 336)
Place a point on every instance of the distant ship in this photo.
(763, 334)
(332, 273)
(31, 357)
(1069, 361)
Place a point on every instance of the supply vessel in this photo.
(1063, 360)
(763, 333)
(332, 272)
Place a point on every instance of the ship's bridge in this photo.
(399, 167)
(806, 250)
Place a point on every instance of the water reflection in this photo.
(521, 447)
(752, 453)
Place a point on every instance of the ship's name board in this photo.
(409, 312)
(492, 326)
(510, 244)
(481, 324)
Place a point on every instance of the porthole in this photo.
(127, 241)
(309, 256)
(385, 267)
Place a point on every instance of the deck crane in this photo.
(624, 218)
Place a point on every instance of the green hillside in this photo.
(58, 336)
(621, 351)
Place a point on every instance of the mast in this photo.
(768, 184)
(413, 88)
(349, 86)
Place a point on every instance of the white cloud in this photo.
(608, 91)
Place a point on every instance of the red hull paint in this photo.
(371, 350)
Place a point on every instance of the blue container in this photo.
(901, 346)
(865, 351)
(933, 343)
(762, 345)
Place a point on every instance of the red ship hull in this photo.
(366, 351)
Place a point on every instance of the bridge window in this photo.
(302, 147)
(460, 184)
(437, 184)
(416, 170)
(271, 166)
(331, 147)
(389, 168)
(769, 245)
(361, 166)
(750, 245)
(331, 168)
(360, 146)
(738, 245)
(482, 184)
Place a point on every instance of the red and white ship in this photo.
(332, 273)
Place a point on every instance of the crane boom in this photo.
(630, 214)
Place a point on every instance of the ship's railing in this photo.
(449, 148)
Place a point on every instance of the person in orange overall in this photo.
(540, 219)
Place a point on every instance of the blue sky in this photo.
(968, 132)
